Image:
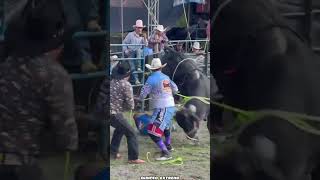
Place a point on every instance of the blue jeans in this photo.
(82, 46)
(134, 64)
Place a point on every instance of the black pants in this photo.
(122, 127)
(23, 172)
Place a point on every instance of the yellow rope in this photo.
(177, 161)
(148, 153)
(66, 166)
(248, 117)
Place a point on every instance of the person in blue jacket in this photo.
(160, 88)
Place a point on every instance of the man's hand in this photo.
(127, 52)
(144, 35)
(176, 92)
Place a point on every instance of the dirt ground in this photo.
(196, 158)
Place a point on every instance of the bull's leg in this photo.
(82, 123)
(297, 171)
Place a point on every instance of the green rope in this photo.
(177, 161)
(66, 166)
(248, 117)
(188, 98)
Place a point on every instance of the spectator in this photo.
(135, 37)
(158, 39)
(200, 58)
(35, 91)
(113, 62)
(196, 47)
(179, 47)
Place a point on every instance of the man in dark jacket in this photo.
(35, 91)
(121, 99)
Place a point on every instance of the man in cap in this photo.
(161, 90)
(158, 39)
(121, 99)
(35, 91)
(196, 49)
(113, 62)
(179, 47)
(135, 37)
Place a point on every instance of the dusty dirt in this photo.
(196, 158)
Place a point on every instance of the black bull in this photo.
(191, 82)
(260, 63)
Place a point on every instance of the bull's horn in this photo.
(192, 108)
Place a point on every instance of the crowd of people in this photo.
(137, 45)
(36, 92)
(161, 89)
(36, 96)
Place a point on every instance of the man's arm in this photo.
(153, 39)
(146, 89)
(127, 40)
(128, 96)
(174, 87)
(61, 108)
(165, 38)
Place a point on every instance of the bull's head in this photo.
(188, 120)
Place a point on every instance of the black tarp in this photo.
(168, 15)
(300, 23)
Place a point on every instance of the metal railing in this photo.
(187, 45)
(88, 34)
(141, 59)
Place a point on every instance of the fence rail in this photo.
(142, 59)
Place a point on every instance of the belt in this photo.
(16, 159)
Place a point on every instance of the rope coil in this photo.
(177, 161)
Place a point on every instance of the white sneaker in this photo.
(164, 157)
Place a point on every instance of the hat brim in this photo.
(197, 48)
(154, 68)
(116, 75)
(134, 26)
(162, 30)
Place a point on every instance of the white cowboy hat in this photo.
(139, 24)
(160, 28)
(114, 57)
(155, 64)
(196, 45)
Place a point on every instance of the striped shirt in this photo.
(133, 38)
